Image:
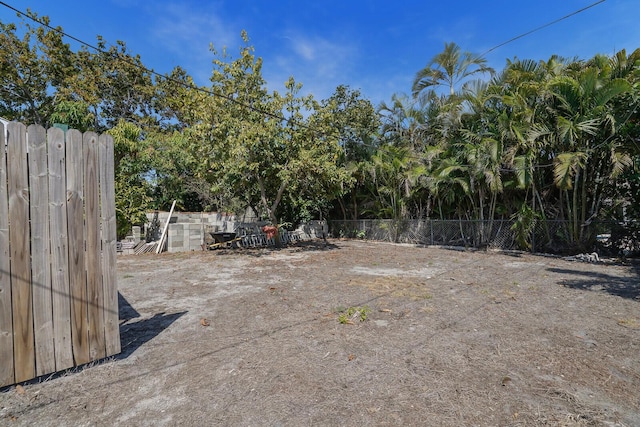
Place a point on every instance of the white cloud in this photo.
(186, 35)
(180, 27)
(319, 63)
(305, 49)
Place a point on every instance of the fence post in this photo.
(431, 229)
(533, 237)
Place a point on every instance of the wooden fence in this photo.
(58, 293)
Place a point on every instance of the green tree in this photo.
(350, 119)
(405, 122)
(32, 67)
(256, 147)
(74, 114)
(587, 152)
(132, 164)
(396, 174)
(114, 83)
(449, 68)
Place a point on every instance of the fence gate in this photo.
(58, 293)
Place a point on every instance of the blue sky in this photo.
(374, 46)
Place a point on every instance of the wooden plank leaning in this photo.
(163, 236)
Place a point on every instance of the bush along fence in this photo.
(58, 293)
(540, 236)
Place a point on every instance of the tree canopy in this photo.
(553, 139)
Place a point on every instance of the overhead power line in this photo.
(542, 27)
(251, 107)
(233, 100)
(155, 73)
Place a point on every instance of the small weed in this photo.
(127, 276)
(510, 294)
(352, 314)
(629, 323)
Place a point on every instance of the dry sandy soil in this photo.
(451, 338)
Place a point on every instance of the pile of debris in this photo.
(592, 257)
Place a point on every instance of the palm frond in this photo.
(565, 166)
(619, 162)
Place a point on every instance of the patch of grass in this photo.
(353, 314)
(629, 323)
(397, 287)
(413, 293)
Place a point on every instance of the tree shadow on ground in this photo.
(135, 334)
(625, 287)
(314, 245)
(303, 246)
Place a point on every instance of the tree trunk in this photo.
(354, 196)
(574, 213)
(342, 208)
(271, 209)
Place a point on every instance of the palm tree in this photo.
(526, 127)
(405, 122)
(586, 125)
(396, 174)
(449, 68)
(450, 187)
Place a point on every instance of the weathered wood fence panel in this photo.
(40, 265)
(58, 291)
(92, 239)
(75, 230)
(109, 252)
(7, 374)
(20, 253)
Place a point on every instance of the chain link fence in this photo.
(544, 236)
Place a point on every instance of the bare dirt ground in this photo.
(451, 338)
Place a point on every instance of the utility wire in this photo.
(231, 99)
(155, 73)
(258, 110)
(542, 27)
